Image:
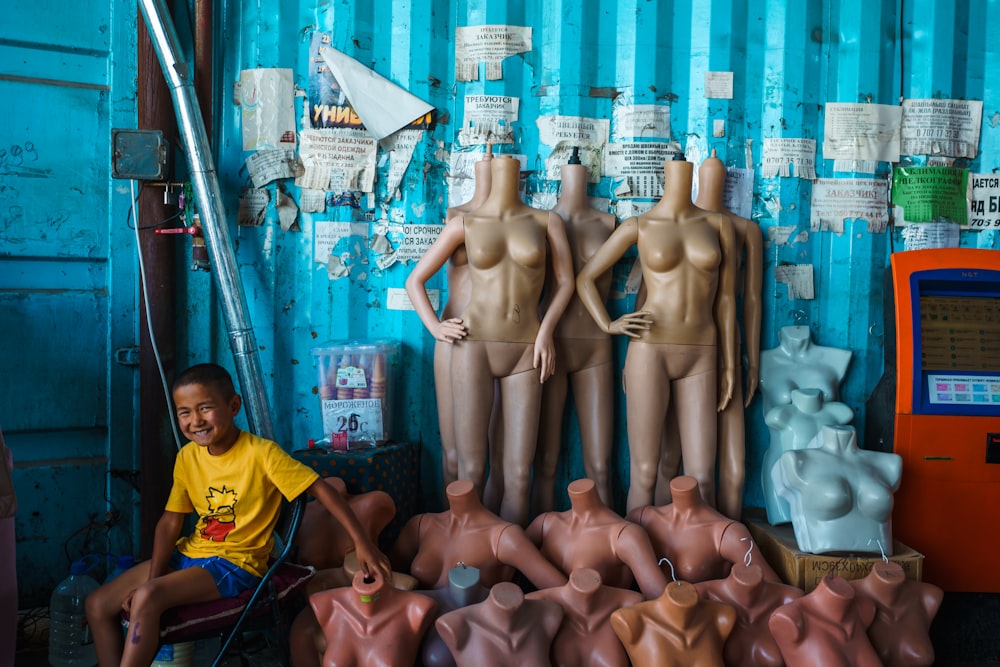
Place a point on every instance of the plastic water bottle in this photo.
(174, 655)
(123, 563)
(70, 643)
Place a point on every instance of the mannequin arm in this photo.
(626, 623)
(784, 627)
(752, 285)
(636, 551)
(562, 270)
(623, 238)
(515, 549)
(450, 238)
(536, 530)
(735, 543)
(725, 310)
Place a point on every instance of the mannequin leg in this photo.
(732, 453)
(549, 442)
(521, 397)
(446, 419)
(695, 400)
(670, 458)
(594, 409)
(647, 396)
(472, 389)
(493, 493)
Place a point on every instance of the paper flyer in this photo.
(564, 133)
(267, 108)
(253, 203)
(490, 44)
(271, 164)
(337, 159)
(640, 121)
(329, 233)
(640, 165)
(930, 235)
(930, 194)
(719, 85)
(488, 118)
(839, 200)
(861, 132)
(400, 147)
(799, 278)
(984, 206)
(941, 127)
(781, 154)
(737, 196)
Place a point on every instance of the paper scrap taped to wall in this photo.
(382, 106)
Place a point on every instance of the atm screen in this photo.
(959, 347)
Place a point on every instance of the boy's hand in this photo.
(370, 559)
(127, 603)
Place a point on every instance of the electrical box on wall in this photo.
(138, 154)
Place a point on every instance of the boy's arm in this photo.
(168, 529)
(369, 556)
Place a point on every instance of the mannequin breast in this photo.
(520, 241)
(666, 246)
(441, 550)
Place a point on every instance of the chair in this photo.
(264, 607)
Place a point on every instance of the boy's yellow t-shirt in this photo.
(237, 497)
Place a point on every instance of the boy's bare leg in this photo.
(104, 607)
(151, 599)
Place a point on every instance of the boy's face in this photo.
(206, 417)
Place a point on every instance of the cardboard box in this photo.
(804, 570)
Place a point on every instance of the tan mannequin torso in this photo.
(675, 630)
(353, 619)
(500, 335)
(590, 535)
(586, 638)
(687, 259)
(583, 356)
(826, 627)
(905, 610)
(503, 630)
(701, 543)
(750, 644)
(431, 544)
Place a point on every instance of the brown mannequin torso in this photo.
(586, 638)
(353, 619)
(687, 259)
(503, 630)
(590, 535)
(751, 643)
(905, 610)
(431, 544)
(675, 630)
(700, 543)
(826, 627)
(583, 356)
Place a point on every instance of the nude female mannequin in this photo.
(586, 638)
(687, 258)
(731, 432)
(357, 620)
(751, 643)
(701, 543)
(583, 356)
(431, 544)
(840, 497)
(793, 426)
(675, 630)
(500, 335)
(323, 543)
(826, 627)
(798, 364)
(904, 613)
(590, 535)
(503, 630)
(463, 589)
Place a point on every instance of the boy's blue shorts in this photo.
(230, 579)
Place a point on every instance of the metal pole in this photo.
(205, 184)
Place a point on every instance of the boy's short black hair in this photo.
(213, 376)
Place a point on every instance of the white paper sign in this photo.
(488, 118)
(719, 85)
(836, 200)
(397, 299)
(941, 127)
(400, 147)
(861, 132)
(490, 44)
(921, 235)
(337, 159)
(640, 164)
(270, 165)
(781, 153)
(253, 202)
(329, 233)
(984, 208)
(798, 277)
(737, 196)
(575, 130)
(641, 121)
(416, 240)
(268, 108)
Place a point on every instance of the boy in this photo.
(234, 481)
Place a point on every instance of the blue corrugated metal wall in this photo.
(789, 59)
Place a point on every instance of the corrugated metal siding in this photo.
(789, 59)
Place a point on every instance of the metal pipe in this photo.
(205, 184)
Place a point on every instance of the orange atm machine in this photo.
(947, 423)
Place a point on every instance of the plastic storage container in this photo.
(174, 655)
(122, 563)
(355, 386)
(70, 643)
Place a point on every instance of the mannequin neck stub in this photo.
(677, 181)
(711, 184)
(679, 603)
(371, 592)
(794, 340)
(505, 183)
(807, 400)
(503, 603)
(684, 494)
(583, 496)
(463, 586)
(573, 191)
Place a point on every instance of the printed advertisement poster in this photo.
(489, 44)
(641, 121)
(566, 133)
(781, 155)
(984, 207)
(930, 194)
(861, 132)
(839, 200)
(941, 127)
(268, 110)
(640, 165)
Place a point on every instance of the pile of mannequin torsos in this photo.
(677, 585)
(501, 578)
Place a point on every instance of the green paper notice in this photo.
(931, 194)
